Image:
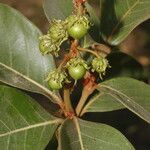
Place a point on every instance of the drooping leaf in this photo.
(119, 18)
(24, 124)
(133, 94)
(21, 63)
(77, 134)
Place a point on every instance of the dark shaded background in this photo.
(136, 44)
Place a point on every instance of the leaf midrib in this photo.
(48, 92)
(57, 121)
(129, 99)
(122, 18)
(79, 132)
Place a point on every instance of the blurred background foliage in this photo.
(137, 44)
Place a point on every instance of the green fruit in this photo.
(44, 44)
(58, 31)
(77, 68)
(54, 84)
(77, 26)
(77, 72)
(56, 79)
(77, 31)
(42, 47)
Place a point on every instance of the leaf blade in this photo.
(102, 137)
(23, 122)
(19, 52)
(124, 16)
(57, 9)
(131, 93)
(101, 102)
(125, 66)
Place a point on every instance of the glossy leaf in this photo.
(119, 18)
(76, 134)
(21, 63)
(133, 94)
(24, 124)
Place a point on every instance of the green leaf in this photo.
(125, 66)
(57, 9)
(119, 18)
(21, 63)
(102, 102)
(133, 94)
(24, 124)
(76, 134)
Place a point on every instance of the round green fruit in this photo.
(54, 84)
(44, 44)
(43, 47)
(77, 72)
(77, 31)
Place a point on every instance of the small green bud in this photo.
(58, 31)
(51, 42)
(56, 79)
(100, 65)
(44, 44)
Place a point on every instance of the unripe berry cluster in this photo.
(76, 68)
(59, 31)
(76, 27)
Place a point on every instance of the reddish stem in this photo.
(89, 87)
(77, 3)
(73, 53)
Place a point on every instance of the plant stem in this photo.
(88, 50)
(67, 101)
(72, 53)
(79, 7)
(88, 89)
(82, 101)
